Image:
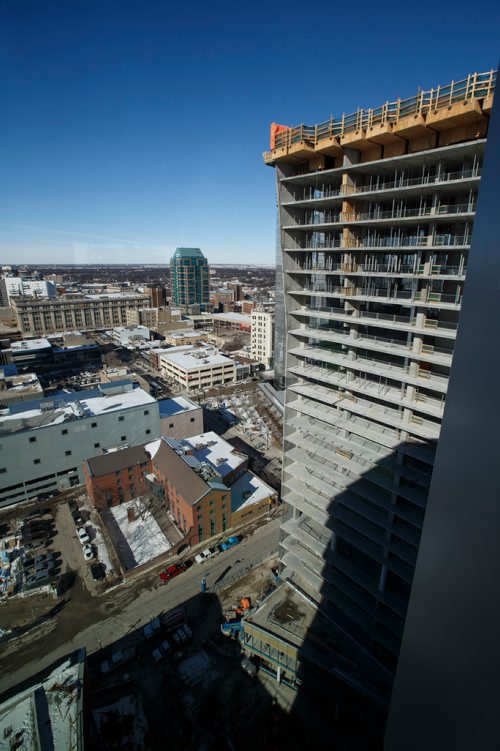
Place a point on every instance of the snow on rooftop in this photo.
(26, 344)
(45, 715)
(211, 449)
(88, 406)
(152, 448)
(174, 405)
(141, 540)
(194, 358)
(247, 490)
(240, 317)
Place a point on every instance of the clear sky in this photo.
(128, 128)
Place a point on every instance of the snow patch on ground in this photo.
(139, 540)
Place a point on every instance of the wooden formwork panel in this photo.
(356, 140)
(330, 146)
(382, 134)
(457, 114)
(410, 127)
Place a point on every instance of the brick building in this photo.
(117, 476)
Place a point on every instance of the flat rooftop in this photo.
(62, 407)
(194, 358)
(29, 344)
(238, 317)
(48, 714)
(294, 617)
(247, 490)
(175, 405)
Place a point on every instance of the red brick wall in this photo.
(115, 488)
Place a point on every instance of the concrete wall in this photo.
(183, 425)
(56, 468)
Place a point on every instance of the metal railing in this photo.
(475, 86)
(312, 193)
(402, 212)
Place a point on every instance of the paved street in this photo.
(95, 622)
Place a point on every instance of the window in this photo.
(121, 418)
(67, 453)
(123, 438)
(36, 461)
(146, 411)
(32, 439)
(2, 470)
(192, 419)
(212, 526)
(148, 432)
(223, 506)
(170, 424)
(64, 431)
(93, 425)
(97, 445)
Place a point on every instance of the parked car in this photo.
(82, 535)
(214, 550)
(152, 629)
(229, 543)
(163, 650)
(44, 557)
(31, 546)
(249, 668)
(203, 556)
(174, 570)
(117, 659)
(73, 505)
(77, 518)
(88, 552)
(97, 571)
(28, 535)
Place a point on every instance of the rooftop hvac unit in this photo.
(221, 460)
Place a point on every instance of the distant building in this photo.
(16, 388)
(262, 338)
(16, 286)
(74, 312)
(247, 306)
(237, 289)
(126, 336)
(196, 368)
(189, 280)
(235, 321)
(161, 320)
(44, 442)
(182, 338)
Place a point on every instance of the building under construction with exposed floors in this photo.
(376, 211)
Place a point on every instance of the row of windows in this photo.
(121, 418)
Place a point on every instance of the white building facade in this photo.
(196, 368)
(262, 338)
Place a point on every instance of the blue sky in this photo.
(129, 128)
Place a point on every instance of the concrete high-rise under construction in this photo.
(375, 211)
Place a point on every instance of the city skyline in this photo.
(128, 132)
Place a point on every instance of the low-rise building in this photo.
(262, 337)
(117, 476)
(235, 321)
(15, 388)
(130, 336)
(180, 417)
(196, 368)
(183, 338)
(207, 485)
(161, 320)
(44, 442)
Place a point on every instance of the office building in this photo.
(262, 337)
(74, 312)
(196, 368)
(376, 212)
(43, 443)
(161, 320)
(189, 280)
(235, 321)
